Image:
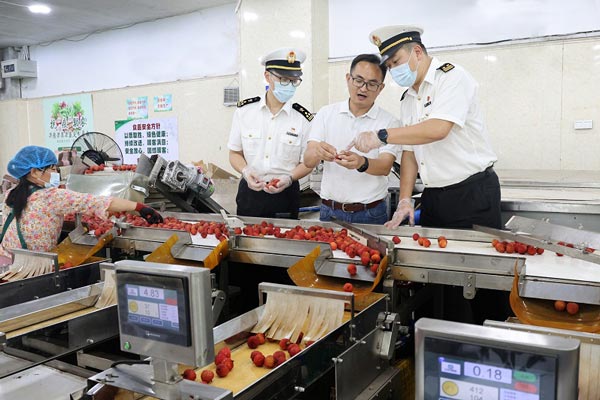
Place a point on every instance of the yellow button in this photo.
(419, 98)
(269, 137)
(290, 142)
(250, 135)
(266, 156)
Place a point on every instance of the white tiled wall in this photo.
(531, 93)
(203, 120)
(580, 100)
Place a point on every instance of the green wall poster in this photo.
(147, 136)
(66, 118)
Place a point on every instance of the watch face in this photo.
(383, 135)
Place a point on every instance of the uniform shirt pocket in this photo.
(290, 146)
(251, 140)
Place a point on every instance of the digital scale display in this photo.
(472, 372)
(152, 306)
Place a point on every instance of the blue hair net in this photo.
(31, 157)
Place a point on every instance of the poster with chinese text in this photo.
(148, 136)
(163, 103)
(137, 107)
(66, 118)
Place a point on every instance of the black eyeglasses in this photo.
(360, 82)
(285, 81)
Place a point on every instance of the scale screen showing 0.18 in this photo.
(472, 372)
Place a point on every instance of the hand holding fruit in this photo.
(252, 178)
(349, 159)
(365, 142)
(278, 184)
(405, 209)
(149, 213)
(326, 152)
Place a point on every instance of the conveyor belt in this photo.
(547, 265)
(50, 322)
(580, 195)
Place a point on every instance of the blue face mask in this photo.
(54, 180)
(284, 93)
(403, 75)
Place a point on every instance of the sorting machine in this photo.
(568, 198)
(468, 261)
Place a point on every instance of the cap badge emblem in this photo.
(291, 58)
(377, 40)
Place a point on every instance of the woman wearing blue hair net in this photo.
(34, 209)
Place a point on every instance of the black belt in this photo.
(473, 178)
(351, 207)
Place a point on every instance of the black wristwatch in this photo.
(364, 167)
(382, 134)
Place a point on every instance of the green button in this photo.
(127, 346)
(524, 376)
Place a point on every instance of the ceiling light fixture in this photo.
(39, 9)
(36, 8)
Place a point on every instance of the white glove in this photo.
(405, 209)
(252, 178)
(365, 142)
(278, 184)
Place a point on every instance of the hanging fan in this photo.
(96, 148)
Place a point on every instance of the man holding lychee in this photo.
(443, 133)
(354, 187)
(268, 137)
(445, 140)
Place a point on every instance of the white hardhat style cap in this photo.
(285, 61)
(389, 38)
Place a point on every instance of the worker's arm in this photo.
(408, 176)
(379, 166)
(237, 160)
(300, 172)
(424, 132)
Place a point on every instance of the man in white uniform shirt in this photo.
(443, 126)
(267, 140)
(354, 186)
(442, 123)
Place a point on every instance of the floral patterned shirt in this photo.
(42, 218)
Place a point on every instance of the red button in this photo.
(525, 387)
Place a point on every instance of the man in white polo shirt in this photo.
(354, 185)
(443, 124)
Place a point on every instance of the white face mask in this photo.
(403, 75)
(284, 93)
(54, 180)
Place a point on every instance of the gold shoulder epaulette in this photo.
(307, 114)
(446, 67)
(250, 100)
